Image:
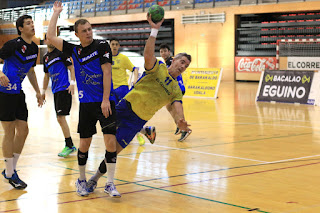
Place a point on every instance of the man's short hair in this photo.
(180, 55)
(20, 21)
(80, 21)
(114, 39)
(164, 46)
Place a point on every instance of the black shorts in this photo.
(62, 102)
(13, 107)
(90, 113)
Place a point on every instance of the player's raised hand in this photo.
(152, 24)
(4, 80)
(57, 6)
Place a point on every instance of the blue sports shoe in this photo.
(81, 186)
(91, 186)
(110, 188)
(15, 181)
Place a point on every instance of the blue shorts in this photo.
(129, 124)
(120, 92)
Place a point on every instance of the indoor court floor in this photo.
(242, 156)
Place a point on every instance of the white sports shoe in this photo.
(110, 188)
(81, 186)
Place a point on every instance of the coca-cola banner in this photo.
(254, 64)
(286, 86)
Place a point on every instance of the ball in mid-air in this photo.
(156, 12)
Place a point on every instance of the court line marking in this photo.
(188, 148)
(207, 153)
(193, 196)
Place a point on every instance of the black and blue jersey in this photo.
(87, 65)
(55, 63)
(179, 78)
(19, 57)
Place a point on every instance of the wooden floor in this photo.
(241, 157)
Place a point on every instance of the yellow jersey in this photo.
(120, 63)
(155, 89)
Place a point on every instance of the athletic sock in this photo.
(9, 167)
(82, 161)
(100, 172)
(69, 142)
(143, 131)
(111, 158)
(15, 160)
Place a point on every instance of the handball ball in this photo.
(156, 12)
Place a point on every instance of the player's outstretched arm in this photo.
(52, 34)
(149, 58)
(33, 80)
(179, 116)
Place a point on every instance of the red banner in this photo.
(254, 64)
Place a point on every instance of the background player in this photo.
(165, 53)
(56, 65)
(156, 88)
(120, 65)
(92, 61)
(20, 57)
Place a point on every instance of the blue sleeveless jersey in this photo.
(55, 63)
(87, 65)
(19, 57)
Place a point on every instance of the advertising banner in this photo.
(202, 82)
(254, 64)
(303, 63)
(285, 86)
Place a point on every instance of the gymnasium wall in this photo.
(211, 45)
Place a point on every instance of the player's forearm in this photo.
(45, 82)
(106, 81)
(51, 33)
(136, 74)
(179, 114)
(148, 54)
(106, 87)
(33, 80)
(72, 73)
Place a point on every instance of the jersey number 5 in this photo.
(80, 94)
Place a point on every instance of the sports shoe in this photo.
(184, 135)
(110, 188)
(151, 133)
(177, 131)
(15, 181)
(67, 151)
(81, 186)
(91, 186)
(140, 139)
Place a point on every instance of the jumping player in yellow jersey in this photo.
(156, 88)
(165, 54)
(120, 65)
